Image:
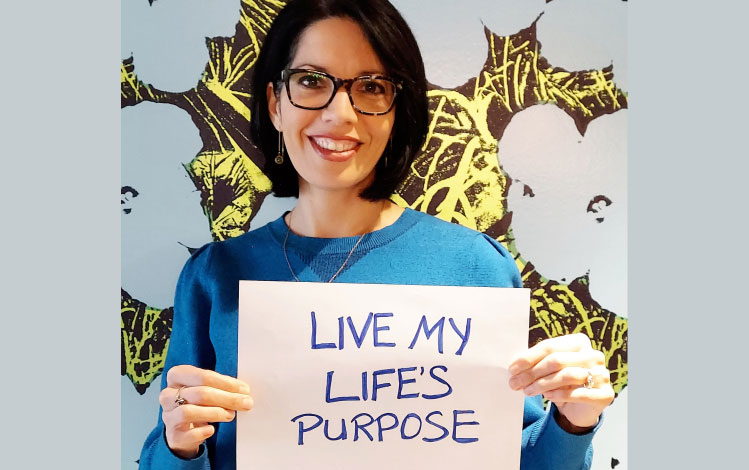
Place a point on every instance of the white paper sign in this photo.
(370, 376)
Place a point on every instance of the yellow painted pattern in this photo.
(226, 171)
(132, 90)
(458, 174)
(145, 335)
(456, 177)
(560, 309)
(232, 163)
(233, 171)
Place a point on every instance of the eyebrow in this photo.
(323, 69)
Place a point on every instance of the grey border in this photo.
(60, 126)
(60, 234)
(687, 182)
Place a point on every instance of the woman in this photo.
(339, 110)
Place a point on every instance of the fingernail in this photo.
(244, 388)
(247, 403)
(514, 369)
(514, 383)
(530, 391)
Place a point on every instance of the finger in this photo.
(192, 376)
(168, 398)
(187, 440)
(187, 414)
(603, 395)
(569, 377)
(209, 396)
(556, 361)
(530, 357)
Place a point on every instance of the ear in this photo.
(274, 107)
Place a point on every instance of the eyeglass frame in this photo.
(337, 84)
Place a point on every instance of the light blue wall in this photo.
(167, 41)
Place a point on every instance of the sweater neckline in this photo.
(371, 240)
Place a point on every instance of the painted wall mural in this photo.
(458, 176)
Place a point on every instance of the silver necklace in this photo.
(286, 238)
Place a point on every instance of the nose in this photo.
(340, 110)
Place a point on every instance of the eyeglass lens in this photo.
(314, 90)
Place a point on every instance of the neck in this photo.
(335, 214)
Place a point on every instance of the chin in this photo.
(337, 185)
(339, 182)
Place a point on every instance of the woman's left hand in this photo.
(569, 373)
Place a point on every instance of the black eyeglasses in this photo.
(372, 95)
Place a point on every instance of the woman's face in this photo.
(334, 148)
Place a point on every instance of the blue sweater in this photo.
(416, 249)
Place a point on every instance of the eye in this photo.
(372, 87)
(310, 80)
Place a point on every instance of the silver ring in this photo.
(179, 400)
(589, 381)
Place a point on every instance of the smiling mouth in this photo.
(333, 149)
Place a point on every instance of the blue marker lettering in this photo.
(377, 330)
(376, 385)
(402, 382)
(340, 332)
(463, 336)
(364, 388)
(341, 436)
(456, 423)
(363, 427)
(429, 331)
(445, 432)
(441, 380)
(403, 426)
(315, 345)
(302, 429)
(380, 429)
(359, 338)
(328, 399)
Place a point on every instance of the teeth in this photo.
(335, 145)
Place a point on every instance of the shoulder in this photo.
(213, 258)
(484, 260)
(493, 262)
(430, 228)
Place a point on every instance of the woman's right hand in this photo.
(209, 397)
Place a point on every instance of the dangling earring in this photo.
(279, 157)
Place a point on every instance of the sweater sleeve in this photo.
(545, 445)
(189, 343)
(493, 265)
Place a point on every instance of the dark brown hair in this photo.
(393, 42)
